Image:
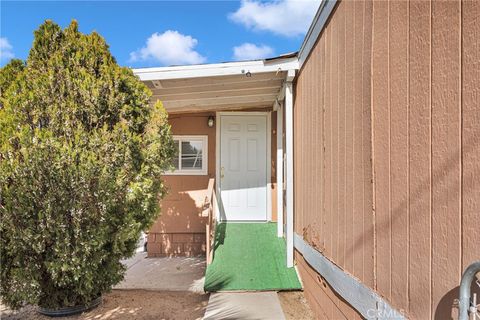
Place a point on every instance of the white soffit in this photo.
(222, 86)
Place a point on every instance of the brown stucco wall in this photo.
(387, 127)
(180, 230)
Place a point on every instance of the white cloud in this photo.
(6, 49)
(169, 48)
(250, 51)
(284, 17)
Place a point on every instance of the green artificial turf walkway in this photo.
(249, 256)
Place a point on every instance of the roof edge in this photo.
(218, 69)
(318, 23)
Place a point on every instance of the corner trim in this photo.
(367, 302)
(323, 13)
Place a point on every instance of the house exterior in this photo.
(364, 147)
(226, 113)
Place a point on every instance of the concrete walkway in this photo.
(244, 305)
(164, 274)
(187, 274)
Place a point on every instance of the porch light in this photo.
(211, 121)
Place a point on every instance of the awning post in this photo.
(280, 170)
(289, 167)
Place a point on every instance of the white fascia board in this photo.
(217, 69)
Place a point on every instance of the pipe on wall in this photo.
(465, 284)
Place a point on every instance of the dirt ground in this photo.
(131, 304)
(143, 305)
(295, 306)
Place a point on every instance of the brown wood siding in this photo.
(387, 150)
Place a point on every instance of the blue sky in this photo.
(158, 33)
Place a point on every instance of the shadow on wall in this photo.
(183, 205)
(440, 175)
(448, 306)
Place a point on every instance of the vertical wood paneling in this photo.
(297, 105)
(333, 145)
(357, 248)
(341, 195)
(306, 126)
(446, 154)
(419, 158)
(398, 79)
(368, 214)
(381, 146)
(470, 131)
(328, 143)
(398, 83)
(349, 138)
(334, 150)
(313, 152)
(320, 76)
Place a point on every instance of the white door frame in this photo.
(218, 117)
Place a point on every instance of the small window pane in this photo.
(192, 155)
(175, 159)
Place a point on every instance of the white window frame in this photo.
(204, 170)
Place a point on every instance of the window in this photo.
(191, 155)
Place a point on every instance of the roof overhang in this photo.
(232, 85)
(220, 86)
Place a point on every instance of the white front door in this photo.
(243, 167)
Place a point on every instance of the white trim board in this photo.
(366, 301)
(217, 69)
(279, 170)
(289, 178)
